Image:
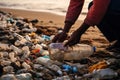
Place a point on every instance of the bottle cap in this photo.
(74, 69)
(94, 49)
(59, 72)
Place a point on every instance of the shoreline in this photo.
(92, 35)
(35, 10)
(41, 16)
(31, 14)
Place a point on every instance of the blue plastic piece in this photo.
(68, 68)
(74, 69)
(46, 57)
(65, 66)
(94, 49)
(45, 37)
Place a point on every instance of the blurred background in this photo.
(53, 6)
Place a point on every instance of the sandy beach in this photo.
(92, 36)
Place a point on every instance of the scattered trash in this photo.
(99, 74)
(100, 65)
(26, 53)
(45, 37)
(24, 76)
(8, 77)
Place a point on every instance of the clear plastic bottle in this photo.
(79, 51)
(58, 51)
(49, 64)
(12, 57)
(8, 77)
(8, 69)
(26, 66)
(102, 74)
(15, 49)
(24, 76)
(4, 46)
(26, 52)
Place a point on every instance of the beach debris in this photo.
(106, 73)
(99, 65)
(76, 52)
(26, 53)
(24, 76)
(8, 77)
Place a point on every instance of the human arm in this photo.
(73, 12)
(94, 17)
(76, 35)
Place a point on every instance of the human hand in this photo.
(60, 37)
(74, 39)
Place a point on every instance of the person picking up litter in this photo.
(105, 14)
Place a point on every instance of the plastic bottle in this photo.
(26, 52)
(3, 54)
(38, 49)
(15, 49)
(18, 36)
(24, 76)
(20, 42)
(12, 57)
(29, 30)
(59, 46)
(101, 74)
(26, 66)
(49, 64)
(8, 69)
(45, 37)
(4, 46)
(8, 77)
(62, 78)
(71, 53)
(5, 63)
(3, 23)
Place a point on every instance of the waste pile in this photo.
(26, 53)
